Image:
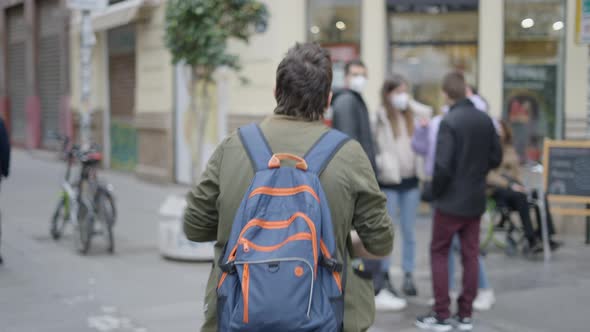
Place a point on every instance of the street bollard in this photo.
(172, 241)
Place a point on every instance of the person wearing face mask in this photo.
(397, 173)
(350, 114)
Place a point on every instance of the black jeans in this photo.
(519, 202)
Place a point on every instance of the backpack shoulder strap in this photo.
(256, 146)
(324, 150)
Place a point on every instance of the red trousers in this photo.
(443, 229)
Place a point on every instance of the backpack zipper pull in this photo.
(246, 246)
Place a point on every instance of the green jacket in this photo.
(352, 191)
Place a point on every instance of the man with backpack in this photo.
(4, 164)
(281, 199)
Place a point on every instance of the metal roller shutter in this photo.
(16, 72)
(122, 87)
(50, 78)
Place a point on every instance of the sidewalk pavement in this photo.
(46, 286)
(530, 295)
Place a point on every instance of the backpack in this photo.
(281, 272)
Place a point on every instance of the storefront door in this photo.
(121, 42)
(430, 38)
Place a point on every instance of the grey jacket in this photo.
(352, 118)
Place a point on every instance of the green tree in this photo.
(197, 33)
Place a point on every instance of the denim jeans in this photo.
(482, 280)
(406, 201)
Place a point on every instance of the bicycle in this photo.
(83, 202)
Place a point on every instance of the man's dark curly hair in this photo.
(304, 81)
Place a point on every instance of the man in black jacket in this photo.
(350, 114)
(467, 149)
(4, 162)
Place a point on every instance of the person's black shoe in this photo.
(1, 260)
(463, 324)
(554, 245)
(532, 248)
(431, 322)
(389, 286)
(409, 287)
(537, 248)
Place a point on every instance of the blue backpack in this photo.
(280, 267)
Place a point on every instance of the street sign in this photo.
(583, 21)
(88, 4)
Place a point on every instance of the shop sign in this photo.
(583, 21)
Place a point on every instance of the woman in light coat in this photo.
(397, 173)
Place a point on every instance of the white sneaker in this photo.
(386, 301)
(484, 300)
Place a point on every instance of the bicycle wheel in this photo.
(84, 229)
(59, 219)
(107, 213)
(491, 236)
(105, 204)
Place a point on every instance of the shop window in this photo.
(431, 38)
(336, 25)
(534, 31)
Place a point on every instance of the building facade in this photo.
(132, 87)
(522, 55)
(33, 70)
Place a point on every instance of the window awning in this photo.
(119, 14)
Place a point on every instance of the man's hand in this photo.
(518, 188)
(359, 249)
(423, 122)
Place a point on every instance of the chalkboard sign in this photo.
(567, 171)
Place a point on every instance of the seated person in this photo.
(507, 190)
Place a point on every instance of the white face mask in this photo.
(400, 101)
(358, 83)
